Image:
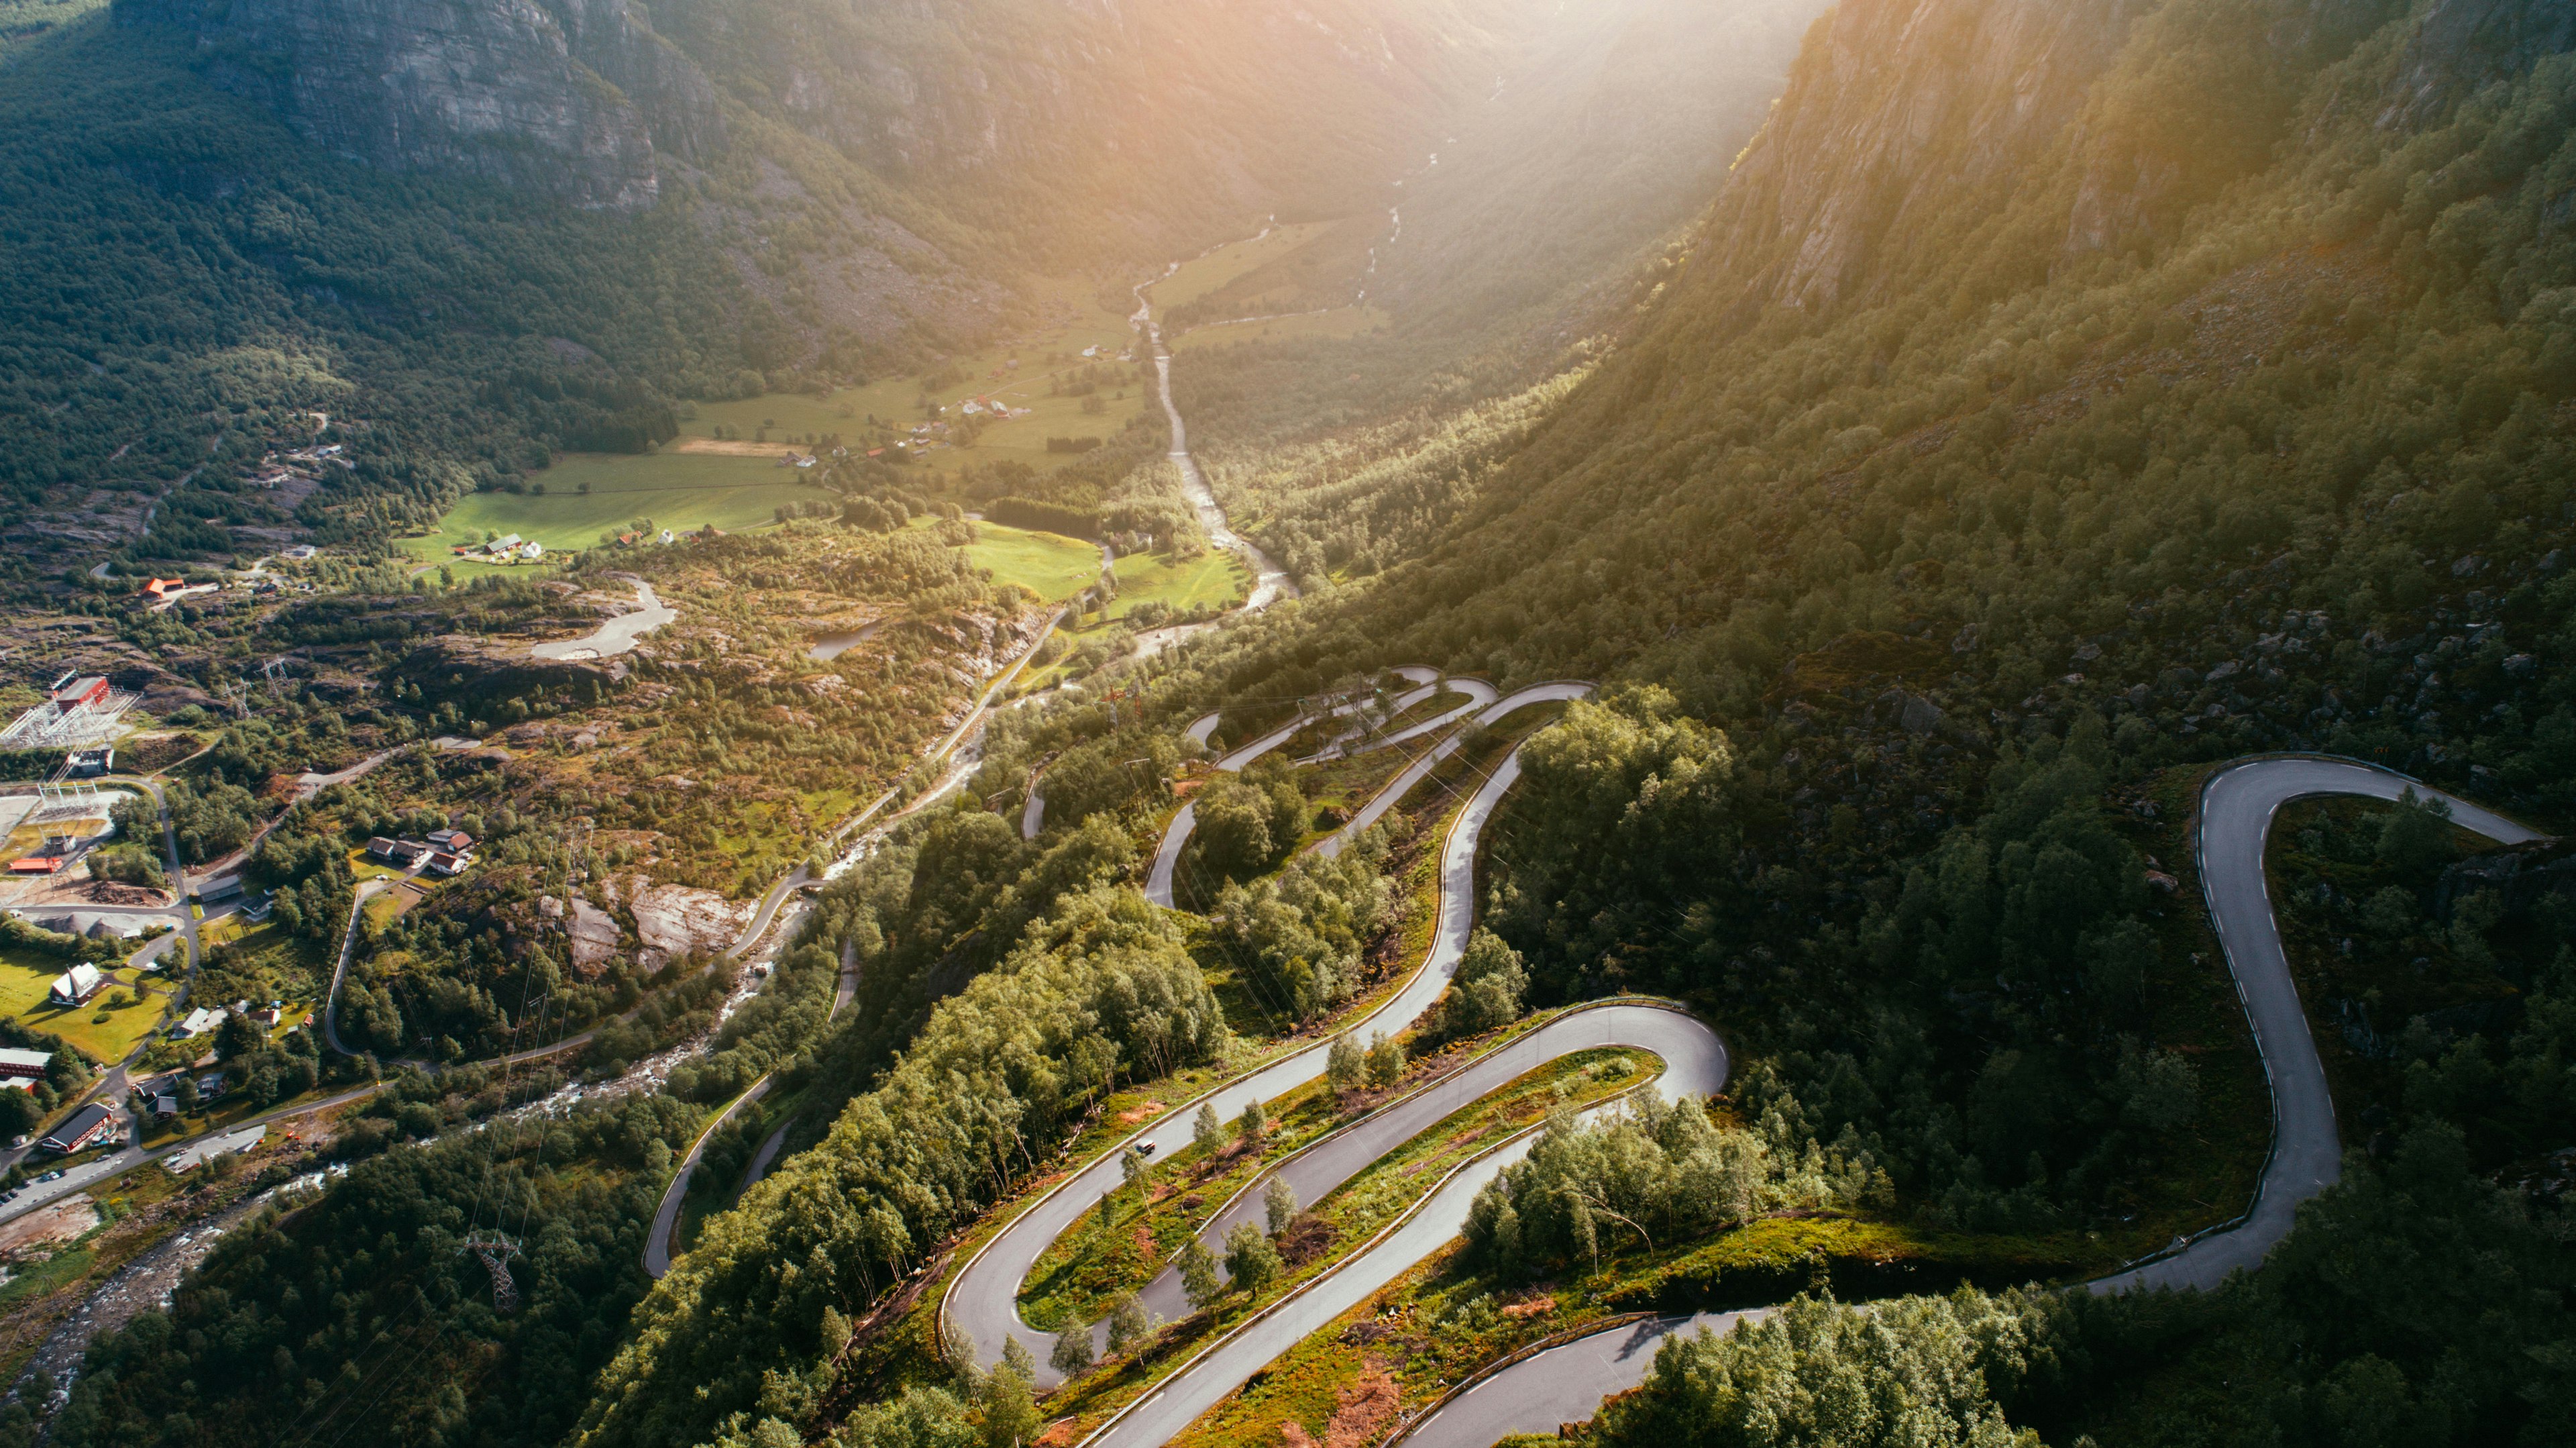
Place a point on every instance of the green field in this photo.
(1202, 275)
(679, 491)
(24, 979)
(682, 486)
(1339, 322)
(1049, 565)
(1216, 578)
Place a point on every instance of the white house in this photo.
(75, 986)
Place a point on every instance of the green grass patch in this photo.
(1358, 1208)
(25, 979)
(679, 491)
(1205, 275)
(1049, 565)
(1214, 580)
(37, 1279)
(1339, 323)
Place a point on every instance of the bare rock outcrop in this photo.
(573, 98)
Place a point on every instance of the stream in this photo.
(1270, 582)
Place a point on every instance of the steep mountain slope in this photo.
(573, 101)
(1608, 139)
(498, 228)
(2057, 396)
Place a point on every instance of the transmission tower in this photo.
(496, 1251)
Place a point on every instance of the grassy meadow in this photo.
(1337, 323)
(676, 490)
(1049, 565)
(26, 977)
(1213, 579)
(723, 467)
(1204, 276)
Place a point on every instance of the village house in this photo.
(23, 1068)
(400, 854)
(75, 986)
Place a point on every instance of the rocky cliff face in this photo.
(2085, 126)
(1894, 108)
(574, 98)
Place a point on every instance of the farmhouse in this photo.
(75, 986)
(395, 852)
(17, 1066)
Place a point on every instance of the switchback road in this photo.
(2237, 806)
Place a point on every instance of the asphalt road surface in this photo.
(1176, 835)
(2237, 807)
(981, 1299)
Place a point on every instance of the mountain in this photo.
(498, 229)
(578, 101)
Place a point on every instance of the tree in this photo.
(1486, 992)
(1385, 1061)
(1133, 1168)
(1010, 1409)
(239, 1035)
(957, 1350)
(1129, 1323)
(1254, 1125)
(1278, 1204)
(1198, 1275)
(1072, 1354)
(1250, 1259)
(1207, 1132)
(2417, 836)
(1345, 1064)
(18, 1114)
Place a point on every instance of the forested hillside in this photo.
(2058, 398)
(2054, 400)
(553, 221)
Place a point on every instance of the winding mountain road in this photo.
(2237, 806)
(1566, 1382)
(981, 1299)
(1176, 835)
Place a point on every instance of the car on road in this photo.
(55, 1175)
